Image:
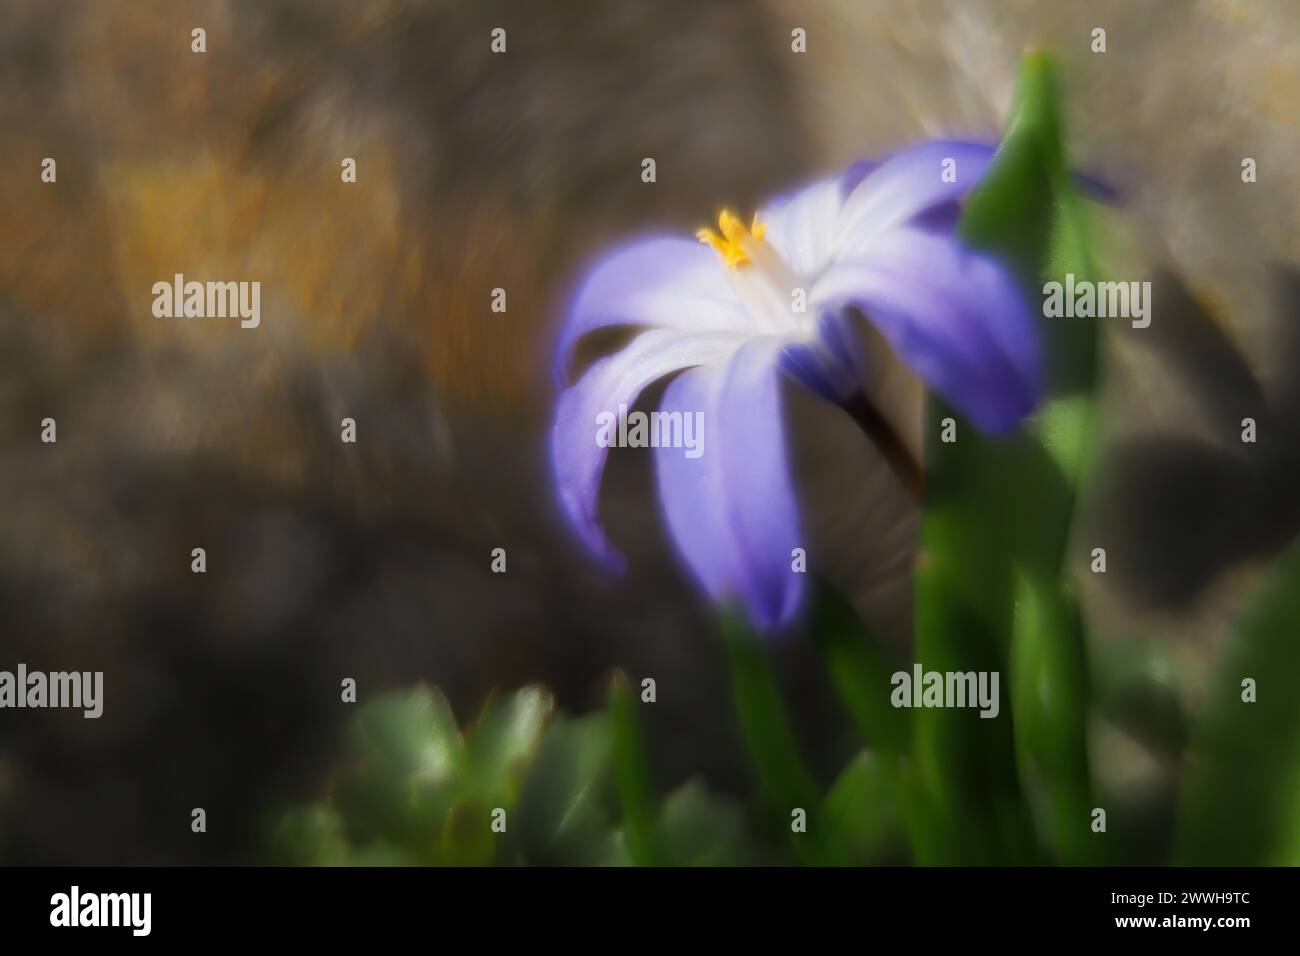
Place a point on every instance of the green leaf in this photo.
(785, 781)
(1049, 699)
(409, 761)
(700, 829)
(632, 774)
(504, 739)
(467, 837)
(311, 836)
(410, 733)
(861, 810)
(860, 669)
(965, 769)
(1000, 510)
(315, 836)
(1240, 804)
(767, 732)
(1027, 212)
(565, 809)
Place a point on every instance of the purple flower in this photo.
(745, 305)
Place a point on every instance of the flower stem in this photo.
(888, 442)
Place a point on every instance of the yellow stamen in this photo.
(730, 238)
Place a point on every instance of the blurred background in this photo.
(477, 171)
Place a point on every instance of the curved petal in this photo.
(855, 174)
(663, 282)
(957, 318)
(577, 456)
(907, 185)
(801, 226)
(732, 511)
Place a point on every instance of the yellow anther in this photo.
(730, 238)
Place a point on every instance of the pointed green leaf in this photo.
(410, 733)
(504, 739)
(998, 508)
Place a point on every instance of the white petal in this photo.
(802, 226)
(670, 283)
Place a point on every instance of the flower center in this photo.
(765, 284)
(731, 238)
